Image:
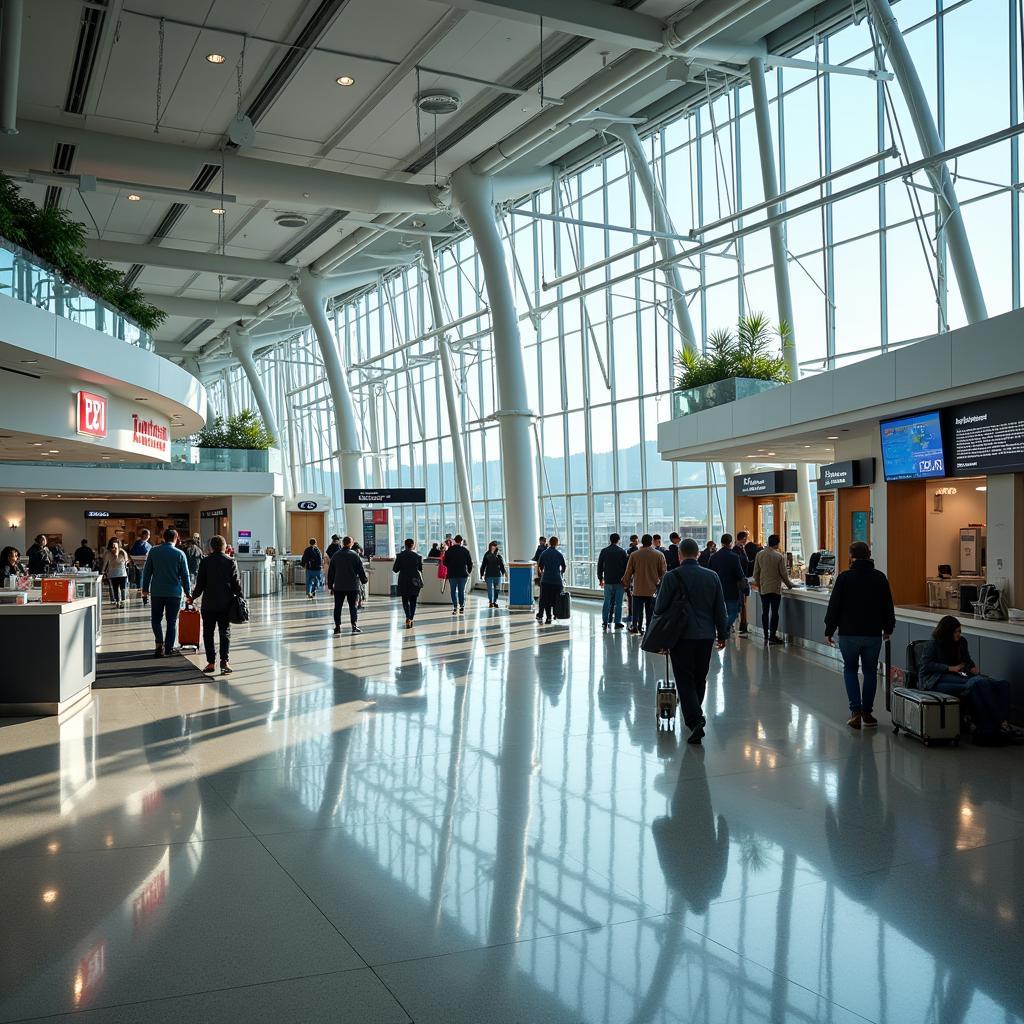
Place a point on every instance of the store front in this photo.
(763, 504)
(844, 504)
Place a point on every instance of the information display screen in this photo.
(912, 447)
(988, 436)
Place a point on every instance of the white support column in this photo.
(454, 421)
(225, 376)
(10, 64)
(312, 293)
(473, 194)
(241, 347)
(777, 233)
(376, 475)
(627, 134)
(931, 143)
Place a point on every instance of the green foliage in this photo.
(750, 352)
(56, 238)
(244, 430)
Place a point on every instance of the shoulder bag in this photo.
(666, 627)
(239, 610)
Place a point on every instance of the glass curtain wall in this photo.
(867, 273)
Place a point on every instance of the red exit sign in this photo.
(92, 414)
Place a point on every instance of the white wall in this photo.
(965, 507)
(183, 483)
(255, 514)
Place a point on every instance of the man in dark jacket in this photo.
(705, 555)
(217, 583)
(344, 575)
(740, 547)
(672, 551)
(40, 556)
(611, 564)
(726, 563)
(459, 563)
(409, 566)
(706, 622)
(860, 609)
(84, 555)
(313, 562)
(334, 547)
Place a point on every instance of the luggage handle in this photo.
(888, 676)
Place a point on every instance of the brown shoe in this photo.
(868, 720)
(854, 720)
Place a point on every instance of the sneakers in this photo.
(776, 641)
(696, 734)
(620, 625)
(225, 668)
(868, 720)
(455, 611)
(854, 720)
(356, 629)
(159, 652)
(337, 630)
(605, 627)
(210, 669)
(462, 610)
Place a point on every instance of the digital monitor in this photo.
(912, 447)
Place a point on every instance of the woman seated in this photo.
(947, 666)
(11, 565)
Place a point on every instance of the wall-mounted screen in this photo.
(912, 447)
(988, 436)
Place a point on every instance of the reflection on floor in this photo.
(477, 821)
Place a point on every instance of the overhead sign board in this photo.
(151, 437)
(309, 503)
(92, 414)
(213, 513)
(851, 473)
(395, 496)
(776, 481)
(988, 436)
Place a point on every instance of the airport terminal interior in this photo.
(511, 512)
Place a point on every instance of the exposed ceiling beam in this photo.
(585, 18)
(185, 259)
(201, 309)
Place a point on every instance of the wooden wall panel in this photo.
(906, 522)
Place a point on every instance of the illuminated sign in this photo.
(396, 496)
(92, 414)
(307, 506)
(148, 434)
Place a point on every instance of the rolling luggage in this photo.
(926, 714)
(563, 605)
(667, 700)
(188, 628)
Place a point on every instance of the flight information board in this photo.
(988, 436)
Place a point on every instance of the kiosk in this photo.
(759, 503)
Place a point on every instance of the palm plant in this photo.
(749, 352)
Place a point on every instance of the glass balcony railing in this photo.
(29, 279)
(184, 457)
(691, 400)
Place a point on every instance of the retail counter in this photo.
(49, 656)
(997, 646)
(264, 579)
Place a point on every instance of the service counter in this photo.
(49, 656)
(264, 578)
(378, 571)
(432, 592)
(997, 646)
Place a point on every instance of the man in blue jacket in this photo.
(691, 653)
(165, 576)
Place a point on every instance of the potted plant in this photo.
(244, 430)
(734, 365)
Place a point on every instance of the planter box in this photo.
(721, 392)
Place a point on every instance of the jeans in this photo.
(493, 588)
(860, 652)
(691, 660)
(409, 606)
(214, 622)
(743, 613)
(457, 584)
(314, 580)
(548, 595)
(340, 597)
(642, 605)
(161, 608)
(611, 610)
(118, 587)
(987, 699)
(732, 609)
(770, 614)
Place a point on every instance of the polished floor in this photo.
(477, 822)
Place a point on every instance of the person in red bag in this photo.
(217, 582)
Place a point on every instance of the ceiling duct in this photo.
(291, 220)
(438, 102)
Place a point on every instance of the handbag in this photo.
(666, 627)
(239, 610)
(417, 581)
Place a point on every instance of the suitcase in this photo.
(188, 628)
(928, 715)
(563, 605)
(667, 700)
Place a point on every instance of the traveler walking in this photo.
(657, 545)
(750, 549)
(704, 624)
(672, 552)
(740, 547)
(769, 577)
(726, 562)
(85, 557)
(644, 570)
(611, 564)
(115, 568)
(140, 549)
(552, 569)
(634, 545)
(946, 665)
(333, 548)
(344, 575)
(705, 555)
(492, 569)
(40, 557)
(459, 563)
(442, 571)
(313, 562)
(542, 546)
(165, 576)
(193, 553)
(217, 583)
(860, 609)
(409, 566)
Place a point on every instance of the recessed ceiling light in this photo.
(43, 495)
(769, 453)
(807, 446)
(104, 456)
(54, 451)
(216, 58)
(345, 80)
(133, 197)
(37, 444)
(30, 362)
(141, 399)
(218, 211)
(833, 437)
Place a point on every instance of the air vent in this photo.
(89, 30)
(291, 220)
(63, 158)
(438, 102)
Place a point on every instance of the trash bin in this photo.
(247, 584)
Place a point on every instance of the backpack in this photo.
(314, 559)
(193, 556)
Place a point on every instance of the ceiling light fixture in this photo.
(345, 80)
(141, 399)
(982, 488)
(37, 444)
(218, 211)
(833, 437)
(438, 102)
(133, 197)
(216, 58)
(29, 362)
(291, 220)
